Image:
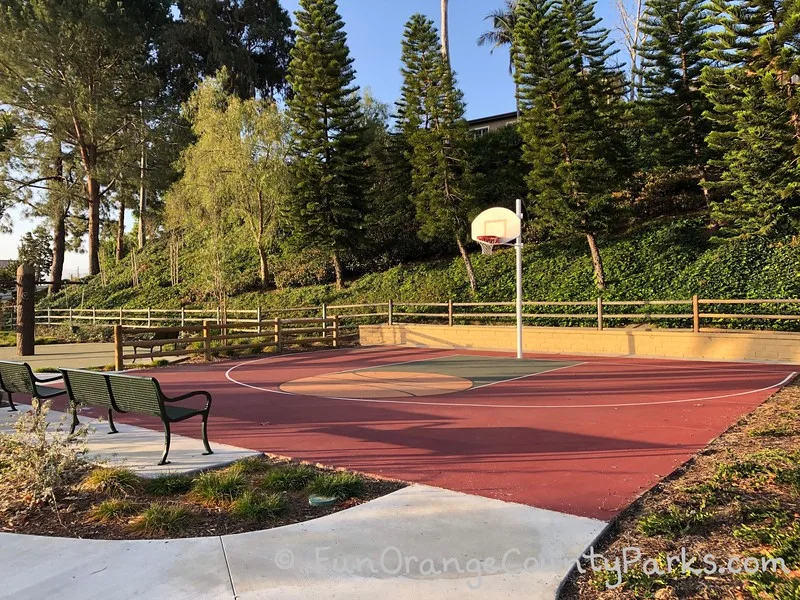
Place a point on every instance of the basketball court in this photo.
(576, 434)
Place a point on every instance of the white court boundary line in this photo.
(230, 378)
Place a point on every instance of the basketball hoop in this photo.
(487, 242)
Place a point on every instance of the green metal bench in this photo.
(18, 378)
(88, 388)
(143, 396)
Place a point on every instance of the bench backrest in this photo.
(140, 395)
(17, 377)
(88, 388)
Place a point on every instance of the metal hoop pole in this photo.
(518, 249)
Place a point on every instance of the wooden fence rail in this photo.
(695, 313)
(278, 333)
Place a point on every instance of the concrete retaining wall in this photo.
(734, 345)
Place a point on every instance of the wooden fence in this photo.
(698, 314)
(211, 338)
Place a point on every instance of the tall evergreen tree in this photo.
(330, 161)
(752, 87)
(74, 71)
(671, 63)
(571, 99)
(431, 118)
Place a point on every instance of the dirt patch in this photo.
(83, 512)
(734, 507)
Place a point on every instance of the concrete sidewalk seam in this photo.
(228, 567)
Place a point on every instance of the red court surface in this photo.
(586, 439)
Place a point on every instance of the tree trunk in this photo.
(262, 258)
(445, 32)
(93, 193)
(473, 283)
(337, 269)
(597, 261)
(142, 196)
(121, 231)
(59, 247)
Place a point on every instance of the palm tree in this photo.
(445, 32)
(502, 34)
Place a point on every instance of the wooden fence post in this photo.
(391, 312)
(207, 340)
(278, 337)
(258, 318)
(118, 362)
(149, 317)
(324, 320)
(94, 316)
(450, 312)
(696, 314)
(599, 313)
(335, 331)
(49, 317)
(70, 317)
(26, 310)
(121, 317)
(183, 316)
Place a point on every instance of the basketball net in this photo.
(488, 243)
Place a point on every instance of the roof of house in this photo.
(493, 118)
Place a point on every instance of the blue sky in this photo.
(375, 30)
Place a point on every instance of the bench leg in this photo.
(111, 423)
(11, 403)
(164, 460)
(205, 436)
(75, 421)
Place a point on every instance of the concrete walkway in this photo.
(137, 448)
(71, 356)
(419, 542)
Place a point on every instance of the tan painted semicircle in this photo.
(377, 384)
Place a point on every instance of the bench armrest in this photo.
(47, 379)
(190, 395)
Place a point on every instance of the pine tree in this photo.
(571, 100)
(674, 130)
(752, 87)
(431, 117)
(330, 162)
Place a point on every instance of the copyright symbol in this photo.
(284, 559)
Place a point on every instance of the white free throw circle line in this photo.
(230, 378)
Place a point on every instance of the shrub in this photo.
(162, 519)
(39, 460)
(252, 506)
(114, 481)
(290, 478)
(674, 522)
(169, 484)
(220, 486)
(113, 509)
(338, 485)
(254, 464)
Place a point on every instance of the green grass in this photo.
(674, 522)
(254, 465)
(113, 510)
(290, 478)
(170, 484)
(113, 481)
(254, 506)
(340, 485)
(776, 430)
(162, 519)
(220, 486)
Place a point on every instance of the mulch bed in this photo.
(74, 516)
(740, 498)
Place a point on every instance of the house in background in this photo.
(480, 127)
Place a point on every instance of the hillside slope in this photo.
(664, 260)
